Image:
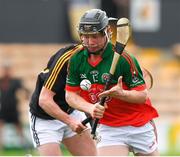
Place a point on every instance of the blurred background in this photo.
(32, 30)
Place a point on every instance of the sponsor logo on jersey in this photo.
(94, 74)
(93, 95)
(135, 79)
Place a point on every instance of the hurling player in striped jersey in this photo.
(52, 120)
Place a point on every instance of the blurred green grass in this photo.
(16, 152)
(26, 152)
(33, 152)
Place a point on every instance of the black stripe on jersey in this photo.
(35, 135)
(61, 61)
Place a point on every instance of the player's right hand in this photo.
(97, 111)
(77, 126)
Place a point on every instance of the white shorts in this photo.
(139, 139)
(51, 131)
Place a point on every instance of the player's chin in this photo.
(92, 49)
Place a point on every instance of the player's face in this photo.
(93, 42)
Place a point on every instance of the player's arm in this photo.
(54, 81)
(77, 102)
(133, 79)
(130, 96)
(48, 104)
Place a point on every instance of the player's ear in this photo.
(109, 29)
(109, 32)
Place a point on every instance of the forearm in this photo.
(77, 102)
(51, 108)
(134, 96)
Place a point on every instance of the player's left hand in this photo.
(116, 91)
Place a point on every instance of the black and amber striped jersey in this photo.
(53, 77)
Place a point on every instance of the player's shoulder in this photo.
(70, 49)
(78, 52)
(127, 57)
(67, 51)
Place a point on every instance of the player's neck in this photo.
(94, 59)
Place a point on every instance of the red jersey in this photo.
(118, 113)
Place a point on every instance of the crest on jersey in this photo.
(105, 77)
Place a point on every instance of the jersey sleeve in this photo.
(56, 71)
(132, 73)
(72, 80)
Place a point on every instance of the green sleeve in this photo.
(72, 78)
(132, 73)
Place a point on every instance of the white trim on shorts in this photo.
(141, 139)
(51, 131)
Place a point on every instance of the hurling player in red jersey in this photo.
(127, 123)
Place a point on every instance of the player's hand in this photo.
(77, 126)
(97, 110)
(116, 91)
